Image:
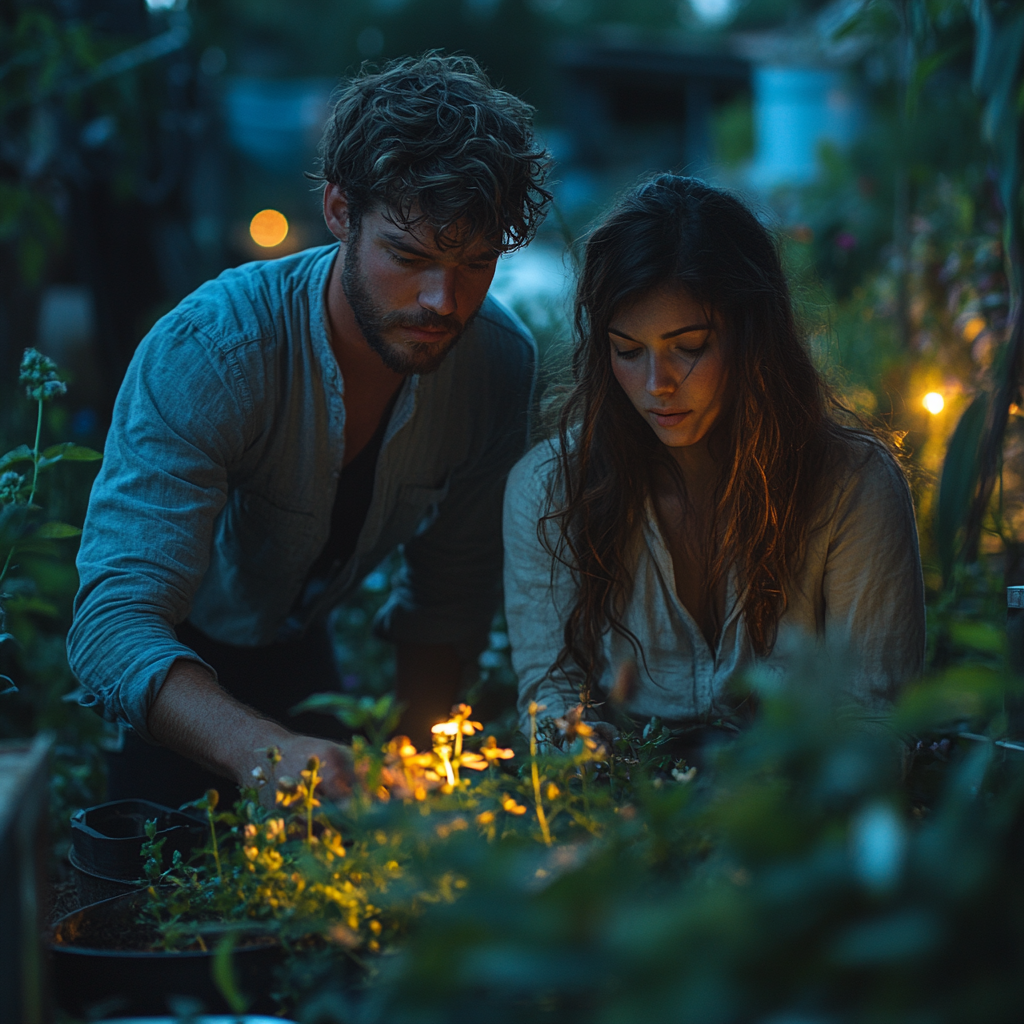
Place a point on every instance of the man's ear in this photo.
(336, 212)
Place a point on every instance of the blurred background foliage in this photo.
(880, 138)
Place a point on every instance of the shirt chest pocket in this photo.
(416, 510)
(271, 543)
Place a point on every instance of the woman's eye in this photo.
(692, 353)
(629, 353)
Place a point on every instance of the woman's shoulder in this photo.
(530, 489)
(869, 476)
(536, 470)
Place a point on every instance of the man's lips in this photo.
(428, 334)
(669, 417)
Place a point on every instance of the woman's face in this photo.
(669, 358)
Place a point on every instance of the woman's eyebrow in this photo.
(664, 337)
(685, 330)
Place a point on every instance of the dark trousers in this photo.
(271, 679)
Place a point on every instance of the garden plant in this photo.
(830, 864)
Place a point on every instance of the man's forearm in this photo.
(193, 716)
(427, 681)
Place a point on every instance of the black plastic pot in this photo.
(88, 980)
(107, 839)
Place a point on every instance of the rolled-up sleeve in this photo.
(538, 591)
(450, 582)
(873, 587)
(180, 420)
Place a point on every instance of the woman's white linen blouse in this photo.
(859, 593)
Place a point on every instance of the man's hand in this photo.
(336, 767)
(194, 717)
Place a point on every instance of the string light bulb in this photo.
(269, 228)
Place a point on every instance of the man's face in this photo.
(411, 299)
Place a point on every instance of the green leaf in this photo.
(224, 974)
(57, 531)
(978, 636)
(19, 605)
(959, 479)
(71, 452)
(12, 523)
(20, 454)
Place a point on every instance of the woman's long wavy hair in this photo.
(778, 438)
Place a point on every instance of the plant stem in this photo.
(314, 781)
(541, 816)
(35, 453)
(213, 840)
(32, 493)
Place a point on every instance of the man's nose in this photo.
(438, 291)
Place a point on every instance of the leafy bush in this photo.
(37, 583)
(829, 864)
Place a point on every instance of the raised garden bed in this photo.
(102, 957)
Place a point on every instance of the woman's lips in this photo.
(668, 417)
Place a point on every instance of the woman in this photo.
(701, 508)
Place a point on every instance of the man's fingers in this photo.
(337, 772)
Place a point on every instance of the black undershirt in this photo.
(352, 503)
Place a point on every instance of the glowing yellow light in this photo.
(268, 228)
(973, 328)
(933, 402)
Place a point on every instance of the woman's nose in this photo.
(660, 378)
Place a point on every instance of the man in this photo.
(293, 421)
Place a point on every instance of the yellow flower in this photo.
(490, 750)
(553, 791)
(331, 841)
(485, 818)
(288, 791)
(509, 804)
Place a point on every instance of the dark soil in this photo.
(113, 925)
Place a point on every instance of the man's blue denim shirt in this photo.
(220, 472)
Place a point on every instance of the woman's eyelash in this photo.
(632, 353)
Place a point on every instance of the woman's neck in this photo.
(699, 466)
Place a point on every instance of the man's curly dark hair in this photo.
(429, 139)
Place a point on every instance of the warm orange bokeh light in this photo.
(934, 402)
(973, 328)
(269, 228)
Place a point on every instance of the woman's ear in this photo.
(336, 212)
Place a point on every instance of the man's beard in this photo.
(408, 357)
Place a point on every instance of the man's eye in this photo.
(404, 261)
